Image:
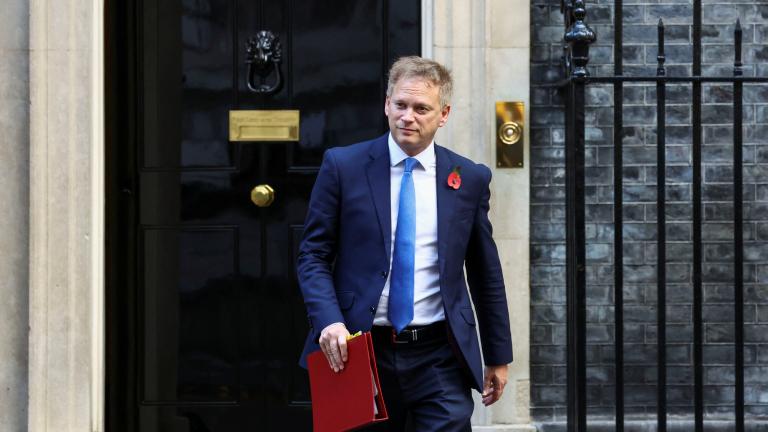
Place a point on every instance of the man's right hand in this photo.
(333, 342)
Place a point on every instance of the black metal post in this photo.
(618, 216)
(578, 36)
(738, 231)
(576, 261)
(661, 254)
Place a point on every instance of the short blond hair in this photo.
(429, 70)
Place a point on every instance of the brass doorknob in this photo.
(263, 195)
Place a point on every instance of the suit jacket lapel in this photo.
(446, 197)
(378, 173)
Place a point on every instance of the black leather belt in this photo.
(411, 334)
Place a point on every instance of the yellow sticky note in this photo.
(354, 335)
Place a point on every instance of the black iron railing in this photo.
(578, 37)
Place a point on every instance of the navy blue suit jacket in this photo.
(344, 255)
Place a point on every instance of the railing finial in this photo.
(738, 66)
(660, 71)
(579, 36)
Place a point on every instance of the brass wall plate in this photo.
(264, 125)
(510, 134)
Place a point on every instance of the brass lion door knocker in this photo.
(263, 54)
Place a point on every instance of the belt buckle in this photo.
(394, 337)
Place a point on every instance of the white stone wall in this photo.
(14, 216)
(486, 45)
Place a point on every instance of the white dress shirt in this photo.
(428, 303)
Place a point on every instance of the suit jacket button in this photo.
(373, 309)
(384, 274)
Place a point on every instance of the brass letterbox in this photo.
(264, 125)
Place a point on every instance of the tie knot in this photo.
(410, 163)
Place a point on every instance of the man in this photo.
(392, 222)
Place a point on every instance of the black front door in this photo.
(206, 321)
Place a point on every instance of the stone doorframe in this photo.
(66, 316)
(67, 187)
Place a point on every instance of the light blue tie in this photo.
(400, 306)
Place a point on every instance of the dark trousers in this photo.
(424, 386)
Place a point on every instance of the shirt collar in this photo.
(396, 155)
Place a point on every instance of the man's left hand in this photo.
(494, 383)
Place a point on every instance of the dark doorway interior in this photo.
(205, 318)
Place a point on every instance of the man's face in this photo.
(414, 114)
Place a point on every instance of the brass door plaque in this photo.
(264, 125)
(510, 136)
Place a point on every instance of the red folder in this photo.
(348, 399)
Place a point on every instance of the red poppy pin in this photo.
(454, 179)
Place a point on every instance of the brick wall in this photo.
(548, 313)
